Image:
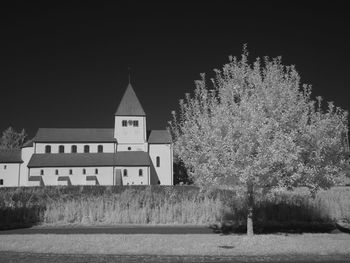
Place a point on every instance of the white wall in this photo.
(134, 147)
(9, 172)
(107, 147)
(104, 176)
(165, 171)
(133, 177)
(26, 154)
(130, 134)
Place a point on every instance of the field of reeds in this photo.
(99, 205)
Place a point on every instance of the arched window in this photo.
(74, 149)
(41, 172)
(47, 149)
(61, 149)
(86, 148)
(125, 172)
(100, 148)
(84, 171)
(56, 172)
(70, 171)
(96, 171)
(158, 161)
(140, 172)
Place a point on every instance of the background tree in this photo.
(257, 129)
(11, 139)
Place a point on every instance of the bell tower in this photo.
(130, 119)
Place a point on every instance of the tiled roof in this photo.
(89, 159)
(129, 104)
(159, 136)
(10, 156)
(136, 158)
(75, 135)
(72, 160)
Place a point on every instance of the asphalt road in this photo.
(167, 230)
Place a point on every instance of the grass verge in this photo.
(192, 244)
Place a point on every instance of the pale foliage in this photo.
(257, 124)
(11, 139)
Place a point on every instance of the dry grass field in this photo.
(164, 205)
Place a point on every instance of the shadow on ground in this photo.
(275, 227)
(19, 217)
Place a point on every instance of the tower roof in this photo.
(130, 104)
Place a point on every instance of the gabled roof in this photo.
(75, 135)
(136, 158)
(10, 156)
(159, 137)
(129, 104)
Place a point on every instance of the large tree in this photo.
(257, 128)
(11, 139)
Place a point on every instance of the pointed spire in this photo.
(130, 104)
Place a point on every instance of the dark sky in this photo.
(66, 65)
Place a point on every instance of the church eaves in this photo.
(130, 104)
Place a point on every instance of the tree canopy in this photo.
(255, 127)
(11, 139)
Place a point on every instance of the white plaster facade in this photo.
(126, 155)
(7, 172)
(93, 147)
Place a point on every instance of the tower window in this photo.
(136, 123)
(5, 166)
(1, 181)
(70, 171)
(84, 171)
(86, 148)
(125, 172)
(100, 148)
(41, 172)
(96, 171)
(140, 172)
(124, 123)
(61, 149)
(158, 161)
(74, 149)
(56, 172)
(129, 148)
(47, 149)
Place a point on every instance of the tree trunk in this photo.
(250, 205)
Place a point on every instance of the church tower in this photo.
(130, 123)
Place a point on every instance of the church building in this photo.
(127, 154)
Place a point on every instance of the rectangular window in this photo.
(5, 166)
(124, 123)
(136, 123)
(1, 181)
